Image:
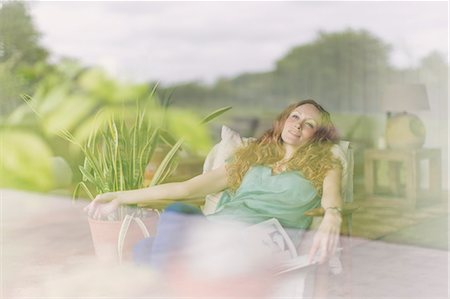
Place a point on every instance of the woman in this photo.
(289, 170)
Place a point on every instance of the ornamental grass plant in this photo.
(117, 153)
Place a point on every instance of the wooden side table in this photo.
(404, 170)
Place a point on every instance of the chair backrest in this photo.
(345, 154)
(231, 140)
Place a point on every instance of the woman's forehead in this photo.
(308, 111)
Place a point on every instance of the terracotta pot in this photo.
(105, 235)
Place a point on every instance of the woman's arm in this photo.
(331, 195)
(327, 236)
(210, 182)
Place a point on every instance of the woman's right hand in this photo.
(103, 205)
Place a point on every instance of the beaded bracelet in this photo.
(334, 208)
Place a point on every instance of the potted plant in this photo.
(116, 158)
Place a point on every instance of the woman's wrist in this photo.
(333, 212)
(333, 209)
(120, 199)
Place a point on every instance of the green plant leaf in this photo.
(76, 191)
(86, 175)
(168, 159)
(122, 234)
(167, 138)
(147, 152)
(215, 114)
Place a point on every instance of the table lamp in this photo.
(404, 130)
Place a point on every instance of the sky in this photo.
(184, 41)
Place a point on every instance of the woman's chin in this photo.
(294, 145)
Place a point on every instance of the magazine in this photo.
(295, 263)
(272, 236)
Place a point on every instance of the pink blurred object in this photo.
(105, 236)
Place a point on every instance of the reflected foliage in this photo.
(22, 58)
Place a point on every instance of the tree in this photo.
(345, 70)
(22, 59)
(18, 37)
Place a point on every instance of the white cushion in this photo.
(231, 141)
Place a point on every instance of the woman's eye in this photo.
(310, 125)
(295, 116)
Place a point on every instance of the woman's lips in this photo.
(295, 134)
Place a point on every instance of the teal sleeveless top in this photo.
(263, 195)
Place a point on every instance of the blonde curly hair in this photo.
(313, 159)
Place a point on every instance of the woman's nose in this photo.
(299, 125)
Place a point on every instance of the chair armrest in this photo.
(162, 204)
(348, 209)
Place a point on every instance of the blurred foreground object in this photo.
(404, 130)
(62, 172)
(25, 161)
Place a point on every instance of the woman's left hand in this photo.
(327, 236)
(103, 205)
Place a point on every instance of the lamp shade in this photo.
(404, 130)
(405, 97)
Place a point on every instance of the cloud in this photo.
(179, 41)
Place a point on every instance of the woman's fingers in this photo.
(331, 242)
(331, 248)
(98, 210)
(323, 249)
(319, 248)
(88, 208)
(325, 243)
(98, 207)
(99, 213)
(92, 208)
(313, 251)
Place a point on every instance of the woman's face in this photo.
(300, 125)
